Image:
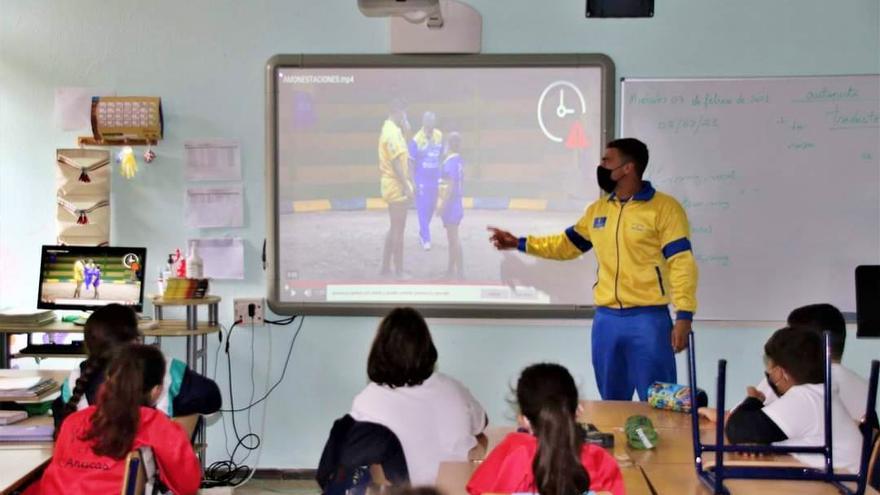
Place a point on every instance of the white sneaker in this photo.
(426, 245)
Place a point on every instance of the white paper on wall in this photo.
(223, 258)
(208, 207)
(213, 159)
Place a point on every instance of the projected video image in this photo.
(90, 279)
(388, 178)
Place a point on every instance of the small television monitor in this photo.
(86, 277)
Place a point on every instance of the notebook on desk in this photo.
(23, 388)
(26, 433)
(19, 316)
(10, 417)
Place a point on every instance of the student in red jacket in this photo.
(90, 451)
(551, 458)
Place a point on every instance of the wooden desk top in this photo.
(166, 328)
(682, 479)
(613, 413)
(670, 466)
(161, 301)
(20, 465)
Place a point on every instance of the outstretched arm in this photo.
(570, 244)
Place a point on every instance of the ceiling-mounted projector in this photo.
(429, 26)
(415, 11)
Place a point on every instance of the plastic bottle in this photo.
(168, 269)
(194, 265)
(179, 264)
(160, 282)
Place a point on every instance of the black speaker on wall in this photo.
(620, 8)
(868, 300)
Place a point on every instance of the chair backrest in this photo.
(135, 480)
(377, 473)
(188, 423)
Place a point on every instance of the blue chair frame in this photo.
(714, 477)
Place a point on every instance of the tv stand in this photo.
(196, 333)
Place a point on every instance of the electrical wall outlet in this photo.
(243, 313)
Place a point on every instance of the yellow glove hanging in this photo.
(129, 166)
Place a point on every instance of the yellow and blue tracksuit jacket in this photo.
(642, 247)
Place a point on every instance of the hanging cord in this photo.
(229, 472)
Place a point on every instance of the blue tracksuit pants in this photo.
(426, 200)
(632, 348)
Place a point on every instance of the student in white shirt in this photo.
(434, 417)
(852, 389)
(794, 363)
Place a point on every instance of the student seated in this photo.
(795, 370)
(434, 417)
(91, 449)
(551, 458)
(109, 328)
(852, 388)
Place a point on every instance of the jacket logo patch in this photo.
(599, 222)
(638, 227)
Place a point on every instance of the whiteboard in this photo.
(780, 178)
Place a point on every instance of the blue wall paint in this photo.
(205, 59)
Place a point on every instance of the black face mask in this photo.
(772, 385)
(603, 176)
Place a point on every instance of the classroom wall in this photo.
(206, 59)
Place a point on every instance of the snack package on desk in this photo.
(674, 397)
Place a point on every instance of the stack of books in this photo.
(26, 316)
(25, 388)
(26, 433)
(9, 417)
(185, 288)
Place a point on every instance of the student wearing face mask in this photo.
(794, 364)
(852, 388)
(642, 244)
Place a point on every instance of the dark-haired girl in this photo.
(434, 417)
(110, 327)
(550, 458)
(91, 449)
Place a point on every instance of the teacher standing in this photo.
(645, 262)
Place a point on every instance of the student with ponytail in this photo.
(110, 327)
(91, 449)
(550, 458)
